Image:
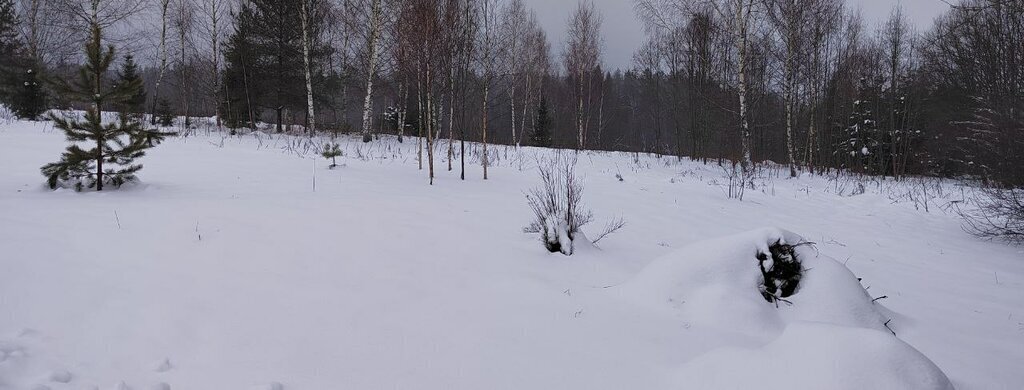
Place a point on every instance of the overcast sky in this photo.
(623, 34)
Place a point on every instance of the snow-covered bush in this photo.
(6, 115)
(557, 207)
(781, 272)
(833, 332)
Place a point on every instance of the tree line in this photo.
(803, 83)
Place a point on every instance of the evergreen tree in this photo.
(132, 108)
(332, 151)
(165, 117)
(19, 85)
(862, 138)
(242, 95)
(264, 66)
(542, 125)
(118, 144)
(10, 50)
(29, 100)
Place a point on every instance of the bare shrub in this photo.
(996, 213)
(557, 204)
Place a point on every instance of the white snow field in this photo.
(224, 269)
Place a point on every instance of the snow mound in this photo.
(812, 355)
(828, 334)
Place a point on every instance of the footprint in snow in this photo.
(163, 366)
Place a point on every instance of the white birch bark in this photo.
(310, 111)
(372, 44)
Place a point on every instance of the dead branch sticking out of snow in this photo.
(610, 228)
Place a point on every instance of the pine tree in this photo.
(542, 126)
(332, 151)
(118, 144)
(132, 108)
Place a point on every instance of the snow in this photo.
(811, 355)
(225, 270)
(831, 327)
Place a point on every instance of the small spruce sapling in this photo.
(332, 151)
(29, 99)
(166, 117)
(131, 108)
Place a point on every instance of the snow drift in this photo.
(828, 335)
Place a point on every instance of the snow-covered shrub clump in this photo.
(781, 271)
(557, 204)
(558, 208)
(830, 335)
(6, 115)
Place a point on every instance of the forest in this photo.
(807, 84)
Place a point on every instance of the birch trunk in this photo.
(483, 159)
(310, 112)
(512, 102)
(375, 19)
(164, 6)
(788, 97)
(451, 114)
(430, 126)
(215, 42)
(742, 28)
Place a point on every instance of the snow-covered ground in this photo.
(226, 270)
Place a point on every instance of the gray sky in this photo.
(623, 34)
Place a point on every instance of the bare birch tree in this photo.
(375, 27)
(487, 56)
(788, 18)
(164, 9)
(215, 13)
(184, 23)
(582, 58)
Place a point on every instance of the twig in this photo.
(887, 326)
(119, 228)
(612, 227)
(881, 297)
